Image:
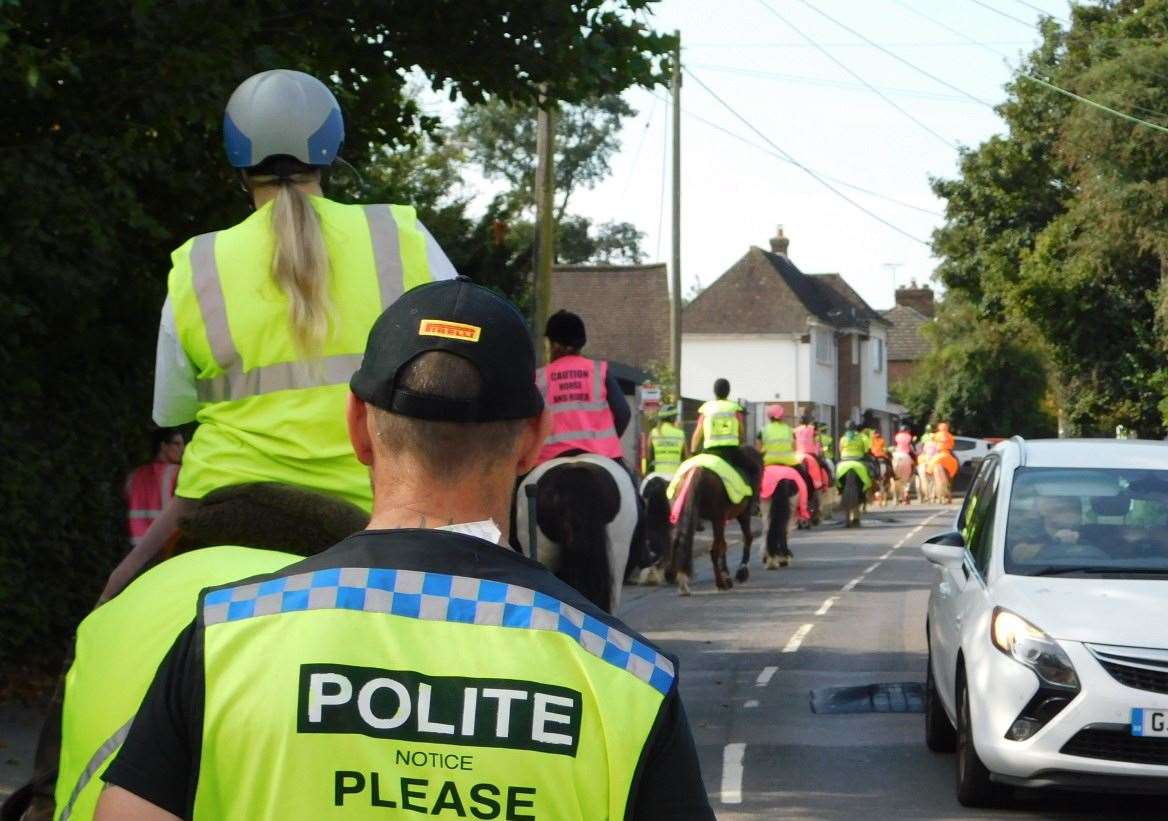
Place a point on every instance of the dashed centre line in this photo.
(765, 676)
(732, 757)
(751, 703)
(797, 640)
(823, 608)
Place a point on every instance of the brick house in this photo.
(907, 344)
(808, 341)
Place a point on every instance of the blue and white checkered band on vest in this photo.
(438, 597)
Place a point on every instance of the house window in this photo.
(823, 342)
(877, 354)
(855, 349)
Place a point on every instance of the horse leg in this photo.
(718, 555)
(743, 572)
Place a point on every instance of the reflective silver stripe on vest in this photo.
(209, 293)
(96, 761)
(285, 376)
(386, 252)
(563, 407)
(575, 435)
(145, 514)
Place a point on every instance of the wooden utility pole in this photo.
(545, 229)
(675, 266)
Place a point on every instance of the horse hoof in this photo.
(651, 577)
(682, 584)
(725, 584)
(742, 574)
(770, 564)
(785, 561)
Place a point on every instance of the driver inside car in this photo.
(1055, 530)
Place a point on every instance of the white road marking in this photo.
(823, 608)
(797, 639)
(847, 588)
(765, 676)
(751, 703)
(870, 568)
(732, 756)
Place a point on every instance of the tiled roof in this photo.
(625, 309)
(906, 341)
(765, 292)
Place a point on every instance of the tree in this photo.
(500, 137)
(984, 378)
(112, 157)
(1060, 225)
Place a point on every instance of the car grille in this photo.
(1141, 668)
(1117, 745)
(1152, 680)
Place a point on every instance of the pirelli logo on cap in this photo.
(450, 330)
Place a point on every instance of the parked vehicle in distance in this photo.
(970, 451)
(1047, 635)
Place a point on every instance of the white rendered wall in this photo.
(761, 368)
(873, 382)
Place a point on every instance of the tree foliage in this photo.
(984, 378)
(112, 157)
(1060, 225)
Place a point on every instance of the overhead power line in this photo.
(801, 166)
(1007, 15)
(771, 153)
(1041, 11)
(904, 112)
(1038, 80)
(895, 56)
(774, 44)
(822, 81)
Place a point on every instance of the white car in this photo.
(969, 451)
(1048, 621)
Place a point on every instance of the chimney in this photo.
(779, 243)
(920, 298)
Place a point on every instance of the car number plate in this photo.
(1149, 722)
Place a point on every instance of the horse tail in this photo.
(574, 506)
(853, 495)
(656, 518)
(779, 519)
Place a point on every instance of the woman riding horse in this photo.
(264, 322)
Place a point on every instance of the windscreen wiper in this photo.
(1090, 569)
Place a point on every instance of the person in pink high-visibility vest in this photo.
(150, 487)
(589, 411)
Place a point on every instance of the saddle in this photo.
(736, 486)
(856, 466)
(773, 474)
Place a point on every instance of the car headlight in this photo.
(1026, 644)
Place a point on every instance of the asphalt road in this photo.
(850, 611)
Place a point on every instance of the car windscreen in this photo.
(1088, 522)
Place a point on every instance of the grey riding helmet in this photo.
(282, 112)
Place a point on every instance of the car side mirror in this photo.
(945, 549)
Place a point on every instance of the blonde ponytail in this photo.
(300, 264)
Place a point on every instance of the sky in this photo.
(735, 192)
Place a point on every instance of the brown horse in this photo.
(707, 499)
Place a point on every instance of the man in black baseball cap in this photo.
(307, 692)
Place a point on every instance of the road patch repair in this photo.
(893, 697)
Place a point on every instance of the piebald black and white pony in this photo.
(586, 515)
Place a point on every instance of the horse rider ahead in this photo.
(589, 412)
(721, 430)
(853, 445)
(666, 443)
(264, 321)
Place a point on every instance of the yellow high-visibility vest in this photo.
(720, 425)
(119, 646)
(265, 414)
(450, 695)
(668, 447)
(778, 443)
